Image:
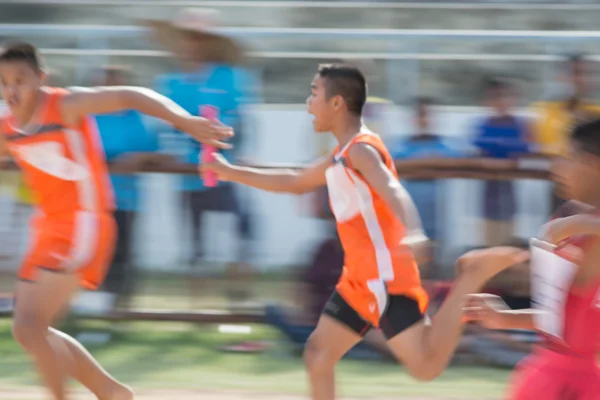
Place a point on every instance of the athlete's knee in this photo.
(317, 357)
(424, 365)
(424, 372)
(427, 366)
(28, 331)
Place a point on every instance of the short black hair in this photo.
(21, 51)
(345, 81)
(587, 136)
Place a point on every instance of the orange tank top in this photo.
(64, 166)
(370, 231)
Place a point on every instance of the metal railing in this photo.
(116, 31)
(381, 4)
(409, 47)
(529, 168)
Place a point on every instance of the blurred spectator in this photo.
(424, 144)
(212, 74)
(500, 135)
(557, 117)
(128, 146)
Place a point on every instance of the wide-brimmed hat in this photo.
(201, 22)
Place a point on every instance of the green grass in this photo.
(184, 356)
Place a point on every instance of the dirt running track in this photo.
(34, 394)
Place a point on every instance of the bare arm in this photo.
(275, 180)
(368, 162)
(105, 100)
(518, 319)
(493, 313)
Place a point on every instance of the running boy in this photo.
(50, 134)
(377, 223)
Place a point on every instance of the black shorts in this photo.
(401, 313)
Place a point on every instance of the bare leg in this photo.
(325, 347)
(426, 349)
(57, 355)
(81, 366)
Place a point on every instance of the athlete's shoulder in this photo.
(368, 137)
(368, 148)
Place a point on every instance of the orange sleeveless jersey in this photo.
(376, 264)
(63, 166)
(66, 170)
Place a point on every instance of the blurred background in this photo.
(473, 99)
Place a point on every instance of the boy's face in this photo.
(19, 85)
(576, 174)
(320, 106)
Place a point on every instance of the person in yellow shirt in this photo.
(555, 119)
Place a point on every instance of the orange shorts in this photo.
(83, 244)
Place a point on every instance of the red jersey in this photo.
(571, 322)
(570, 326)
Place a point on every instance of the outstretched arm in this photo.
(272, 180)
(491, 312)
(368, 162)
(104, 100)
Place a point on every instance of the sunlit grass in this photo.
(185, 356)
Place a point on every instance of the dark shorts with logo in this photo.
(401, 313)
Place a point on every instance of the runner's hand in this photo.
(486, 309)
(220, 166)
(206, 131)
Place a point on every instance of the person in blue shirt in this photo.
(424, 144)
(211, 74)
(500, 135)
(127, 145)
